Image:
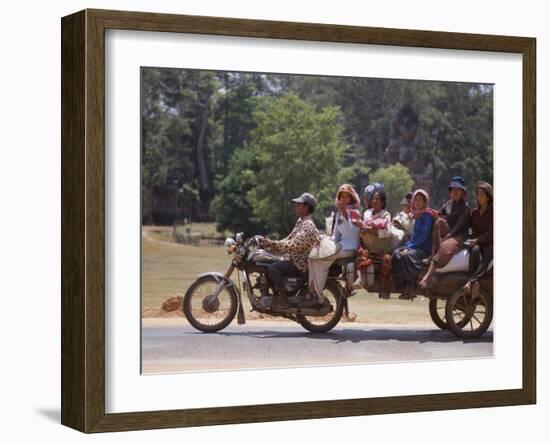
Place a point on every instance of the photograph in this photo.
(293, 220)
(269, 220)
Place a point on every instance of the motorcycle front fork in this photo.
(248, 289)
(222, 284)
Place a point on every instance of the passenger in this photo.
(376, 218)
(368, 191)
(406, 261)
(452, 228)
(345, 233)
(375, 238)
(402, 223)
(481, 243)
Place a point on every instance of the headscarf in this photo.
(487, 188)
(349, 189)
(417, 213)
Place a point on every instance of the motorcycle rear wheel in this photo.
(468, 317)
(322, 324)
(205, 312)
(438, 312)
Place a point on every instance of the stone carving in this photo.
(403, 147)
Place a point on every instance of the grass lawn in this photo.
(168, 269)
(205, 230)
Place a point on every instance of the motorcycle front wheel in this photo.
(205, 311)
(321, 324)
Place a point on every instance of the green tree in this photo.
(456, 133)
(237, 99)
(298, 150)
(397, 182)
(231, 207)
(176, 106)
(193, 122)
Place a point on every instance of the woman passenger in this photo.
(369, 191)
(402, 223)
(406, 262)
(452, 225)
(344, 233)
(375, 238)
(481, 243)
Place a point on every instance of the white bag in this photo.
(325, 249)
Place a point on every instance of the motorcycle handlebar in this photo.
(254, 240)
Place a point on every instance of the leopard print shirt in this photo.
(299, 243)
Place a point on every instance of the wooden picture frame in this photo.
(83, 220)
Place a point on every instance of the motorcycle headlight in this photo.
(230, 245)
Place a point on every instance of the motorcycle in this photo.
(213, 299)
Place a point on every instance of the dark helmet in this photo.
(371, 188)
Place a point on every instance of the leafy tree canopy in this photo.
(298, 149)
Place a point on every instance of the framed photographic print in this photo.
(270, 220)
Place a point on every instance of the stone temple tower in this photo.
(403, 147)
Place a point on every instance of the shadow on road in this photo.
(358, 335)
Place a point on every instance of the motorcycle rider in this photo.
(296, 247)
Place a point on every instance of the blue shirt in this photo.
(346, 233)
(422, 234)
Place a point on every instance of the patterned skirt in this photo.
(406, 267)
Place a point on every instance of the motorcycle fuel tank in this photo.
(261, 256)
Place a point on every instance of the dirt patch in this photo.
(172, 304)
(160, 313)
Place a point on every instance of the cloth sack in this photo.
(325, 249)
(377, 223)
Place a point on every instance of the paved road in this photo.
(168, 347)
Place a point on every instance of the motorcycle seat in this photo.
(458, 263)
